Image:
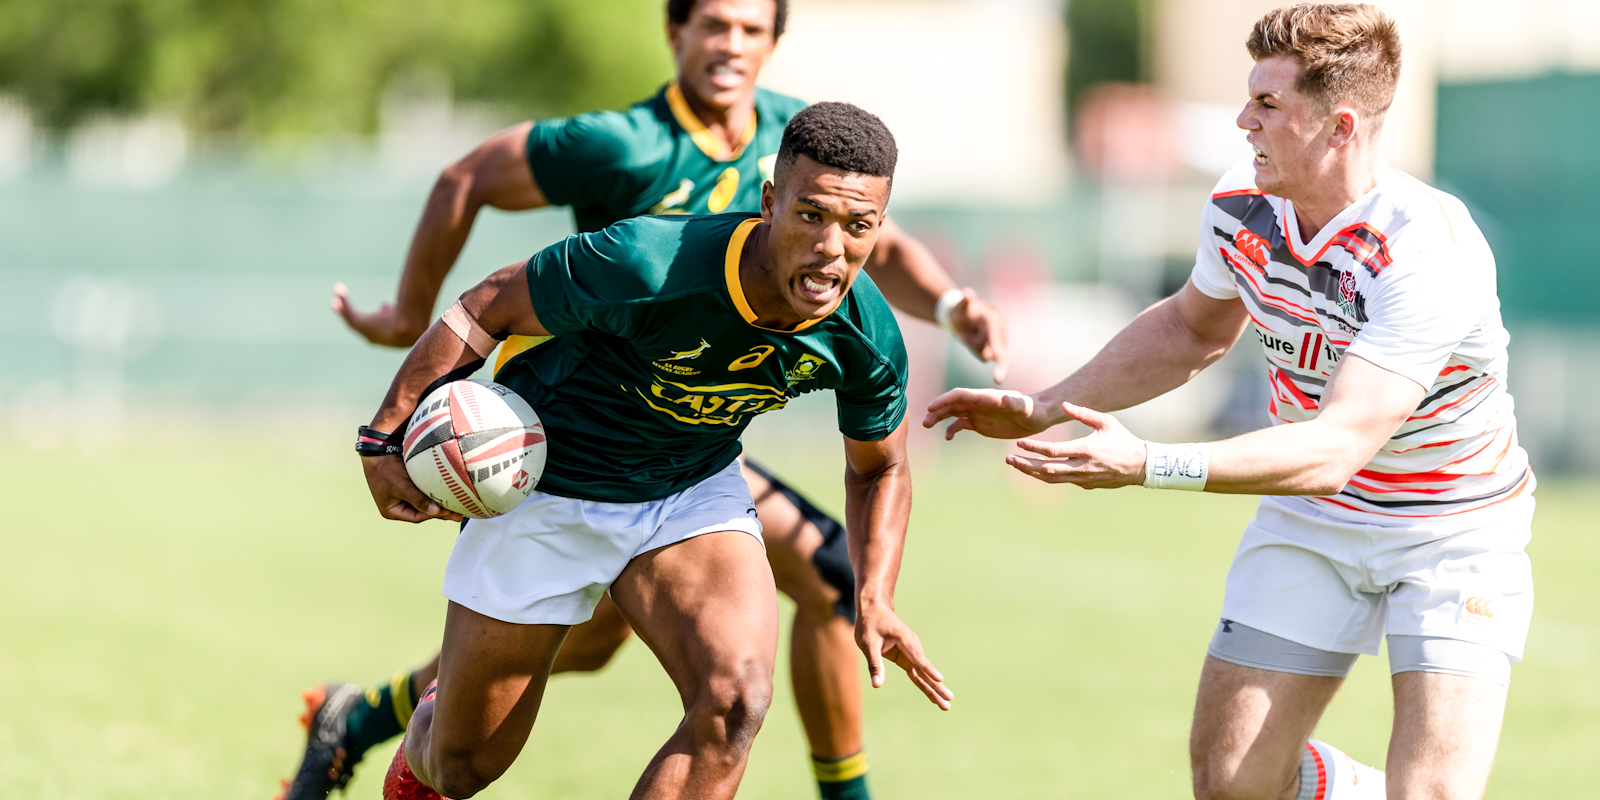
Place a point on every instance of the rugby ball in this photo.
(475, 447)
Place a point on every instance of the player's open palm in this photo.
(882, 635)
(379, 327)
(1108, 457)
(397, 497)
(992, 412)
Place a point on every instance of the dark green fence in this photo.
(1525, 155)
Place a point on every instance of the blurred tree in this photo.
(306, 66)
(1105, 43)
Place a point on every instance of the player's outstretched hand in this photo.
(982, 329)
(881, 634)
(379, 327)
(1108, 457)
(397, 497)
(994, 413)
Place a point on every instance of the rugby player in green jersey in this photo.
(704, 144)
(642, 495)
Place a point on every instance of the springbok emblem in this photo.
(685, 355)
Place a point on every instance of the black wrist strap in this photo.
(370, 442)
(389, 444)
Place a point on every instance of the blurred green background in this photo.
(286, 67)
(182, 181)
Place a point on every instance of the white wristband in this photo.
(1176, 466)
(947, 303)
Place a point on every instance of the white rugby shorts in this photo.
(550, 559)
(1342, 587)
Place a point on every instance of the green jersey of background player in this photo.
(704, 144)
(671, 334)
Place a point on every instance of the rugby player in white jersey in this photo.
(1398, 503)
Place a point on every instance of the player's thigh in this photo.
(708, 609)
(1474, 585)
(1250, 726)
(792, 542)
(1446, 729)
(491, 677)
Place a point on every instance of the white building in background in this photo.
(971, 88)
(133, 152)
(1200, 62)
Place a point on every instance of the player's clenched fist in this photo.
(982, 329)
(881, 634)
(991, 412)
(397, 497)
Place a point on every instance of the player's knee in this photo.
(1215, 781)
(811, 599)
(457, 777)
(729, 709)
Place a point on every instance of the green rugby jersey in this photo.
(657, 366)
(655, 158)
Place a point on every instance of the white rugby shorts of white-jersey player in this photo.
(550, 559)
(1341, 586)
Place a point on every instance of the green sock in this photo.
(383, 715)
(842, 778)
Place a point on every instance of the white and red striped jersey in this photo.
(1404, 279)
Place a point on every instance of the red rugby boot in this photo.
(400, 783)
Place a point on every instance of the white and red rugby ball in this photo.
(475, 447)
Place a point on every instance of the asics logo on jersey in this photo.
(683, 355)
(1252, 246)
(752, 359)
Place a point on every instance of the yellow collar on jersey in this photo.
(708, 142)
(736, 289)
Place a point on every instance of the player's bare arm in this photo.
(913, 281)
(496, 174)
(877, 510)
(1162, 349)
(501, 306)
(1364, 405)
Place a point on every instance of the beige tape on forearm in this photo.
(464, 326)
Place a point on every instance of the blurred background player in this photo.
(704, 144)
(642, 495)
(1400, 503)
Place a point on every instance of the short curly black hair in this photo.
(678, 13)
(839, 135)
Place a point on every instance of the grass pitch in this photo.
(162, 610)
